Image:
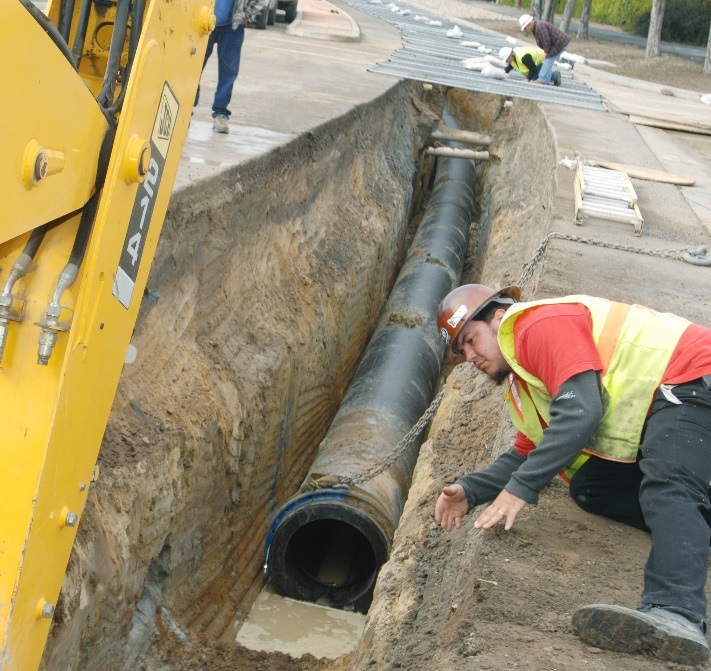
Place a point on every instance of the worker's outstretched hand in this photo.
(451, 506)
(504, 508)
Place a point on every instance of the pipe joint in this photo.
(47, 341)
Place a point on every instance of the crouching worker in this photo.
(527, 60)
(551, 40)
(616, 398)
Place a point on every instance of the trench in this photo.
(327, 543)
(265, 291)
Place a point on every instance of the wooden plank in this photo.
(470, 137)
(670, 125)
(454, 152)
(646, 173)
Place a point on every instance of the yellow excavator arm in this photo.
(97, 101)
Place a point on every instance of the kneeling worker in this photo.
(527, 60)
(549, 38)
(617, 399)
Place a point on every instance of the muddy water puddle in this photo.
(281, 624)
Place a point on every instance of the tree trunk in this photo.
(585, 21)
(549, 11)
(568, 14)
(518, 3)
(655, 28)
(536, 8)
(707, 62)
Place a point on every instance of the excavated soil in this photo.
(268, 291)
(265, 289)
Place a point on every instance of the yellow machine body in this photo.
(54, 415)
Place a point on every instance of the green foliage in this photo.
(684, 21)
(611, 12)
(618, 12)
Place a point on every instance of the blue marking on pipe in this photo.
(295, 504)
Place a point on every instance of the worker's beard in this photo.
(500, 376)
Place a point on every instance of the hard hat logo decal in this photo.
(457, 316)
(445, 336)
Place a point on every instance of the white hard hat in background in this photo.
(524, 21)
(505, 52)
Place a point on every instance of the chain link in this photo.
(389, 459)
(695, 256)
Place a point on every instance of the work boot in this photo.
(220, 124)
(556, 78)
(658, 632)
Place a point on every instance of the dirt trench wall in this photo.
(481, 601)
(270, 278)
(422, 601)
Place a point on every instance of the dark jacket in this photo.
(549, 38)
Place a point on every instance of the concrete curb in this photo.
(296, 29)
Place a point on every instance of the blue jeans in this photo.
(545, 72)
(229, 47)
(671, 482)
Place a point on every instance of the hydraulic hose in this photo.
(80, 35)
(66, 10)
(50, 324)
(118, 38)
(35, 240)
(51, 31)
(328, 545)
(19, 269)
(137, 11)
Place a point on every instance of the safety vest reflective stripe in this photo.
(573, 467)
(634, 344)
(610, 333)
(515, 395)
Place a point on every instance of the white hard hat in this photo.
(524, 20)
(505, 52)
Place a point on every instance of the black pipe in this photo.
(328, 545)
(51, 31)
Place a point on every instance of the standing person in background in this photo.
(231, 18)
(551, 40)
(527, 60)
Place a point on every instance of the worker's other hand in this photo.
(245, 21)
(504, 508)
(451, 506)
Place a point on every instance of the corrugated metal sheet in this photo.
(428, 55)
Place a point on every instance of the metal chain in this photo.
(389, 459)
(695, 256)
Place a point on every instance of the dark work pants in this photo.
(229, 49)
(667, 493)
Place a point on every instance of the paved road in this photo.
(697, 54)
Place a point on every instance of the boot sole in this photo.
(625, 631)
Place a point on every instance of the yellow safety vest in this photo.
(536, 53)
(634, 344)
